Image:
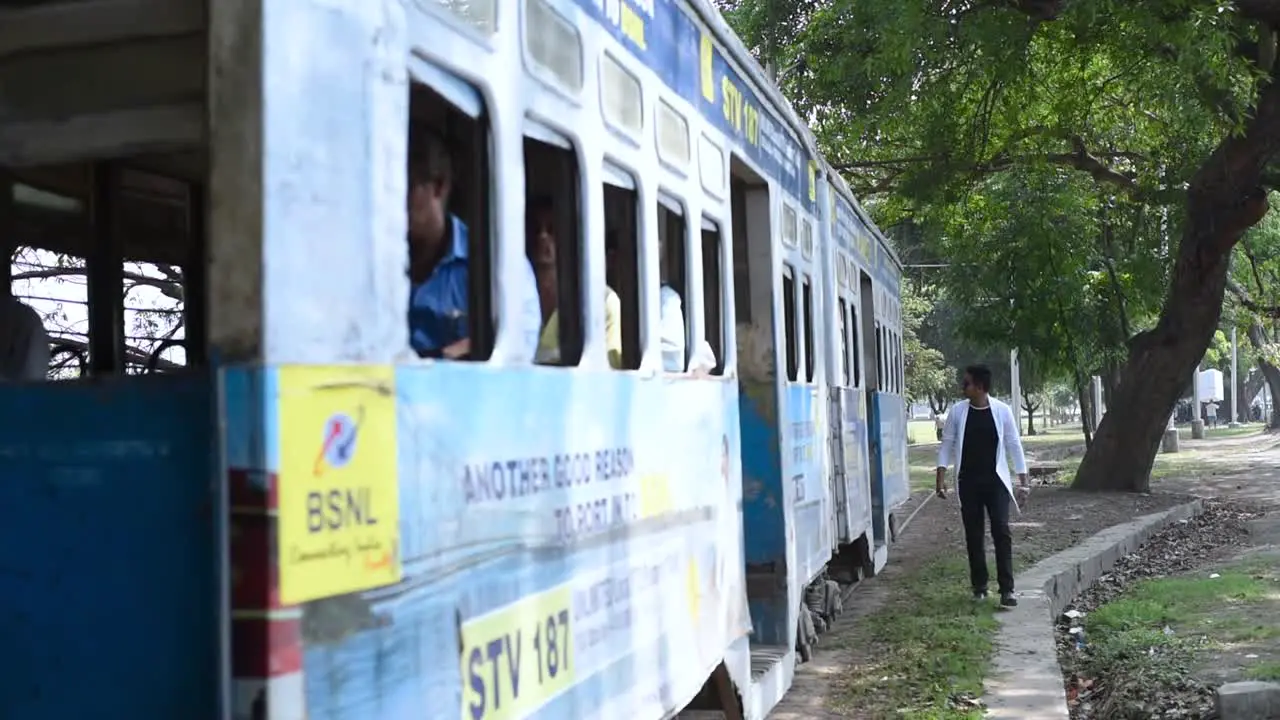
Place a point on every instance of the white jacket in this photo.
(952, 448)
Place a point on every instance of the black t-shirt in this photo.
(978, 458)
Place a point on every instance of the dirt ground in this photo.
(1055, 519)
(1245, 468)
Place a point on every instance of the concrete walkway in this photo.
(1026, 680)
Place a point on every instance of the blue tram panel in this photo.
(110, 564)
(803, 478)
(857, 468)
(891, 480)
(570, 544)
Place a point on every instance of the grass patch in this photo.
(1146, 642)
(921, 431)
(1267, 672)
(932, 645)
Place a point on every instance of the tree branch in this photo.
(1248, 303)
(170, 286)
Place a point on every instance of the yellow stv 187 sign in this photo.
(339, 506)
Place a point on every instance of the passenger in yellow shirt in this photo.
(541, 247)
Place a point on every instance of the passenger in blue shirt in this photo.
(438, 270)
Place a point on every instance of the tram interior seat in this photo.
(111, 553)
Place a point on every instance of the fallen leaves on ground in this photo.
(1115, 689)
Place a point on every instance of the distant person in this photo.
(979, 431)
(939, 421)
(24, 350)
(1211, 413)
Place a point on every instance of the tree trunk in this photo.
(1225, 198)
(1248, 389)
(1110, 376)
(1160, 361)
(1272, 375)
(1086, 418)
(1031, 422)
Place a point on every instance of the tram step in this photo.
(764, 658)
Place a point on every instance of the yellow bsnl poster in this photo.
(339, 506)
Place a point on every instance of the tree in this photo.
(1168, 103)
(1255, 291)
(929, 377)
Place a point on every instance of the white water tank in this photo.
(1210, 382)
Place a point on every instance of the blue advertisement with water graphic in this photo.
(569, 546)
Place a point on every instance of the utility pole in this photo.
(1197, 423)
(1235, 407)
(1095, 389)
(1015, 388)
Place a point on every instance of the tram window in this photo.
(897, 365)
(897, 360)
(713, 292)
(674, 323)
(622, 260)
(902, 366)
(741, 261)
(452, 313)
(806, 300)
(844, 343)
(123, 309)
(553, 242)
(882, 377)
(891, 366)
(789, 321)
(892, 361)
(855, 357)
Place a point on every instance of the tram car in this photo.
(648, 510)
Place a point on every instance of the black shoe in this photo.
(979, 595)
(1008, 600)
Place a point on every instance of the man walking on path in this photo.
(978, 433)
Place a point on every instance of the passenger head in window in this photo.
(542, 246)
(438, 272)
(24, 344)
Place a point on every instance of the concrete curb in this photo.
(1025, 682)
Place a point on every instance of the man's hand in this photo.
(940, 487)
(457, 350)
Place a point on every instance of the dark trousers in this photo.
(987, 497)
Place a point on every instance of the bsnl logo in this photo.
(349, 503)
(339, 444)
